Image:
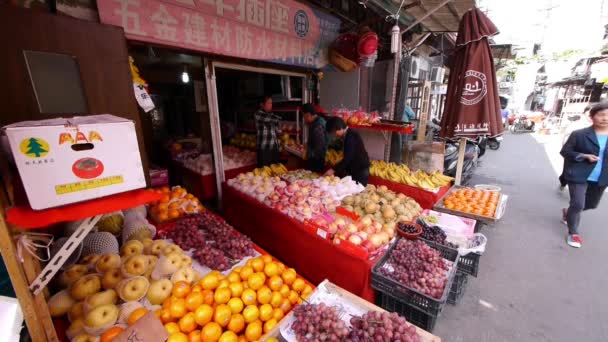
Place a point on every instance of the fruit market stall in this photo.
(425, 188)
(481, 204)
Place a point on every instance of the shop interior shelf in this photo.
(27, 218)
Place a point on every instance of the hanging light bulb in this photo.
(185, 75)
(395, 39)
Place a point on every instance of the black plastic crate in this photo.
(427, 304)
(469, 264)
(458, 286)
(414, 316)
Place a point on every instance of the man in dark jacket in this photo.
(356, 161)
(316, 147)
(267, 132)
(585, 169)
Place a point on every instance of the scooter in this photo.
(494, 143)
(473, 151)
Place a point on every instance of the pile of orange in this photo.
(476, 202)
(135, 315)
(176, 202)
(241, 306)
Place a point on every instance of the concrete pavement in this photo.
(531, 285)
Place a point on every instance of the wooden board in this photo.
(425, 336)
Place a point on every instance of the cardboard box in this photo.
(64, 161)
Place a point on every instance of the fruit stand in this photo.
(425, 198)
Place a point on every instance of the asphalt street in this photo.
(531, 285)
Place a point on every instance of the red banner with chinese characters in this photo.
(282, 31)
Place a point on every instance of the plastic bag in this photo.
(475, 243)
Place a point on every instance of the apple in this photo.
(384, 237)
(167, 265)
(147, 242)
(368, 245)
(75, 329)
(60, 303)
(157, 247)
(100, 298)
(71, 274)
(85, 286)
(186, 261)
(362, 235)
(76, 311)
(133, 289)
(355, 239)
(152, 260)
(107, 262)
(172, 249)
(132, 247)
(111, 278)
(370, 230)
(90, 260)
(351, 228)
(135, 265)
(102, 316)
(376, 240)
(186, 274)
(159, 291)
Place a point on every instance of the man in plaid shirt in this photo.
(267, 127)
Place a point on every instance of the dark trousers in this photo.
(361, 176)
(268, 156)
(582, 197)
(316, 165)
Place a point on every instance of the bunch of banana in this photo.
(333, 157)
(402, 174)
(270, 171)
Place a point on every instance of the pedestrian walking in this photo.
(585, 170)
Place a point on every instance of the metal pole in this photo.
(391, 108)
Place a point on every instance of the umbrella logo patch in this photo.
(475, 88)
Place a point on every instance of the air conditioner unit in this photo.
(437, 74)
(415, 68)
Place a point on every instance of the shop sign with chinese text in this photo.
(281, 31)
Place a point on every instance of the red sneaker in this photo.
(574, 240)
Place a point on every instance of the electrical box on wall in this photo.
(437, 74)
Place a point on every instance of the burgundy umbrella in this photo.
(472, 106)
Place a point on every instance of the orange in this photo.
(109, 334)
(264, 294)
(210, 281)
(222, 315)
(271, 269)
(165, 316)
(177, 308)
(298, 285)
(207, 296)
(223, 283)
(237, 269)
(173, 214)
(203, 314)
(236, 289)
(229, 336)
(278, 314)
(181, 289)
(251, 313)
(162, 217)
(173, 205)
(246, 272)
(257, 264)
(284, 291)
(211, 332)
(136, 315)
(197, 288)
(194, 300)
(256, 281)
(293, 297)
(265, 312)
(178, 337)
(276, 299)
(158, 312)
(275, 283)
(172, 327)
(222, 296)
(237, 323)
(249, 297)
(281, 267)
(307, 291)
(194, 336)
(267, 258)
(187, 323)
(235, 305)
(289, 275)
(271, 323)
(253, 332)
(234, 277)
(285, 305)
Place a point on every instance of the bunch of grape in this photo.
(318, 322)
(433, 233)
(408, 228)
(213, 258)
(418, 266)
(236, 246)
(187, 235)
(381, 326)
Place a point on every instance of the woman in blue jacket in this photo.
(585, 169)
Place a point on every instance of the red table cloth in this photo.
(426, 199)
(203, 187)
(289, 240)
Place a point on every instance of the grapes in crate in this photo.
(186, 234)
(318, 322)
(417, 266)
(212, 258)
(381, 326)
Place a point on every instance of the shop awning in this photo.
(503, 51)
(445, 19)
